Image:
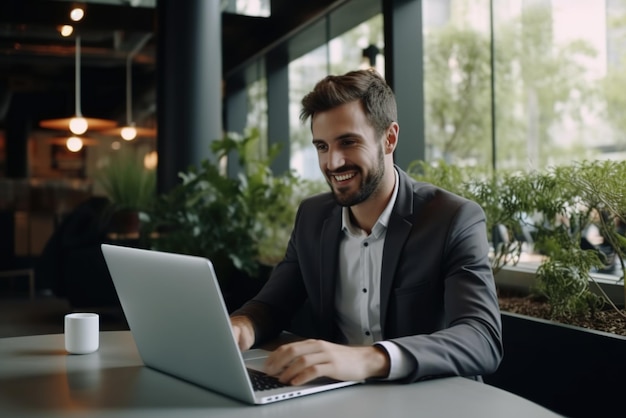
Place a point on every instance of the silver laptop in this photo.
(177, 316)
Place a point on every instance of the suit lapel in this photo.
(329, 250)
(398, 231)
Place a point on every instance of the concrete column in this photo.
(404, 71)
(236, 117)
(189, 85)
(277, 69)
(18, 126)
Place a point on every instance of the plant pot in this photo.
(125, 221)
(570, 370)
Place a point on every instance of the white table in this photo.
(38, 379)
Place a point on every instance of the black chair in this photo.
(72, 264)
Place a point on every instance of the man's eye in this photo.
(320, 147)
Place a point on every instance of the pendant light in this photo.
(78, 124)
(130, 131)
(72, 142)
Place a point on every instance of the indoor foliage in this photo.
(237, 222)
(549, 212)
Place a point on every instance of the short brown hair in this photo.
(366, 86)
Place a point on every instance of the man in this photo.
(396, 272)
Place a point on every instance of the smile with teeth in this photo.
(344, 177)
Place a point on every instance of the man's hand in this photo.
(300, 362)
(243, 331)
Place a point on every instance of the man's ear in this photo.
(391, 137)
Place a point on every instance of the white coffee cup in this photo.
(82, 331)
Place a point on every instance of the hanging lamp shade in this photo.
(78, 124)
(139, 132)
(63, 124)
(65, 139)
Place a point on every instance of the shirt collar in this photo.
(383, 219)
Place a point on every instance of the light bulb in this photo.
(150, 160)
(78, 125)
(77, 14)
(128, 133)
(74, 144)
(66, 30)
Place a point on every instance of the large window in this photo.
(457, 78)
(556, 73)
(303, 74)
(342, 54)
(257, 113)
(508, 84)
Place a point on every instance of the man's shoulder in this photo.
(431, 191)
(321, 201)
(428, 193)
(315, 210)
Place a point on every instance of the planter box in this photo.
(522, 278)
(570, 370)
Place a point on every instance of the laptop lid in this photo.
(178, 319)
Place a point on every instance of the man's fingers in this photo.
(306, 368)
(284, 355)
(243, 332)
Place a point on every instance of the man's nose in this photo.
(336, 159)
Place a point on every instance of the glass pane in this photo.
(259, 8)
(304, 72)
(360, 47)
(257, 114)
(559, 68)
(457, 81)
(342, 54)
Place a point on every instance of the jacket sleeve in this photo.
(470, 340)
(272, 310)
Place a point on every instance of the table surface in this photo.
(38, 378)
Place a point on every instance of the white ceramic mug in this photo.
(82, 331)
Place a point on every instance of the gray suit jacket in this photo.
(438, 298)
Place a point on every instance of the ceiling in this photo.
(37, 64)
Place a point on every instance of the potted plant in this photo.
(497, 195)
(562, 367)
(241, 224)
(130, 187)
(551, 212)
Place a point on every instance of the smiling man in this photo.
(396, 271)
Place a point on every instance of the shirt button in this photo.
(367, 333)
(364, 290)
(365, 244)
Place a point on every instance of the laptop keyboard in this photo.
(262, 381)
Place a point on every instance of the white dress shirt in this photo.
(357, 299)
